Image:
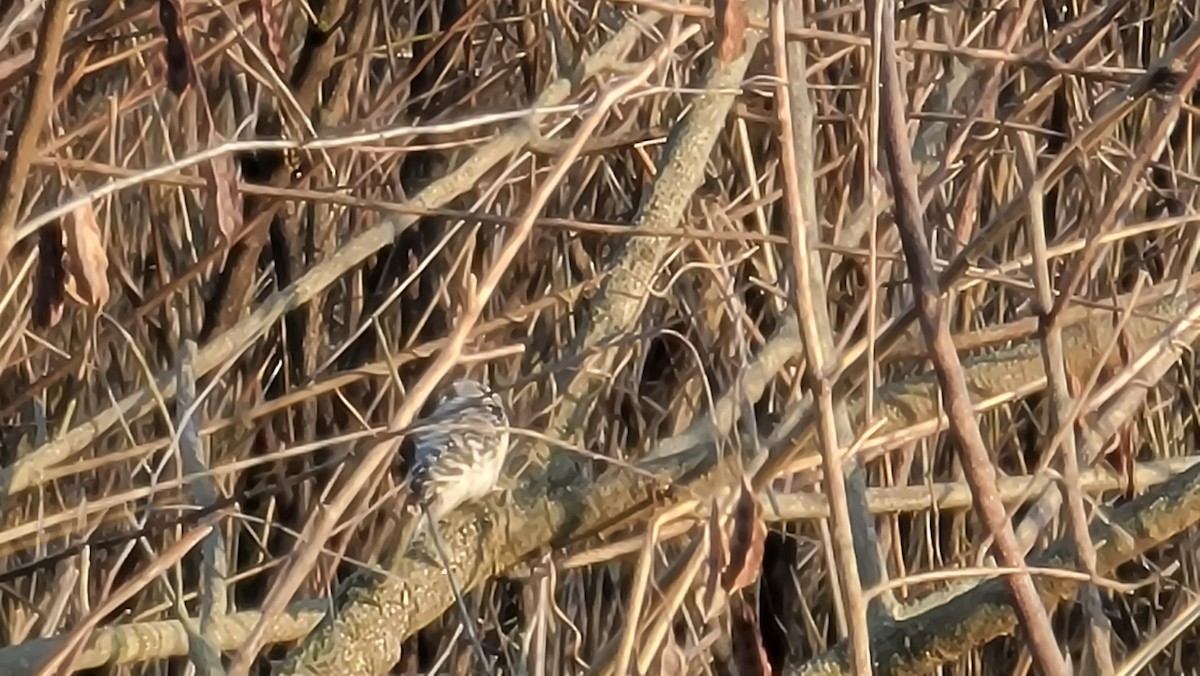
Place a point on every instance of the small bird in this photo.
(458, 453)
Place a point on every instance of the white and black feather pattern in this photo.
(459, 449)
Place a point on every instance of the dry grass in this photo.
(606, 220)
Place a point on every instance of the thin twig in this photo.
(934, 324)
(194, 459)
(818, 342)
(318, 529)
(39, 100)
(1061, 404)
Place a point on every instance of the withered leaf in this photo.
(731, 29)
(87, 261)
(711, 597)
(50, 279)
(270, 26)
(223, 207)
(671, 660)
(176, 54)
(748, 652)
(746, 541)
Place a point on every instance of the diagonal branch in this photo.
(39, 101)
(976, 463)
(906, 404)
(27, 471)
(321, 526)
(489, 538)
(942, 630)
(364, 627)
(854, 545)
(618, 304)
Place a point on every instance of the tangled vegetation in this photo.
(836, 337)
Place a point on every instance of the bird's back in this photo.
(459, 449)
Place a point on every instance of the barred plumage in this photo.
(459, 450)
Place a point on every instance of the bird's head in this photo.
(467, 389)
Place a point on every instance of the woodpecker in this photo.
(458, 454)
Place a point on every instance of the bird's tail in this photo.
(411, 524)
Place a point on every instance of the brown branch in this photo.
(64, 655)
(365, 630)
(957, 631)
(39, 101)
(120, 644)
(904, 403)
(941, 629)
(810, 300)
(27, 471)
(193, 455)
(1061, 404)
(619, 303)
(555, 510)
(317, 60)
(373, 613)
(320, 527)
(1001, 224)
(935, 326)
